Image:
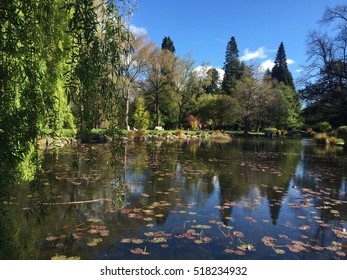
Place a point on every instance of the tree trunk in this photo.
(127, 112)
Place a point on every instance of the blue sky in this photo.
(204, 27)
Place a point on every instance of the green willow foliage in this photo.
(99, 37)
(48, 48)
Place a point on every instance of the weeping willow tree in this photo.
(24, 82)
(48, 48)
(99, 40)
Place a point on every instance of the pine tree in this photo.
(212, 81)
(280, 70)
(168, 44)
(233, 68)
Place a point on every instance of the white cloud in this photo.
(267, 64)
(201, 70)
(248, 55)
(137, 30)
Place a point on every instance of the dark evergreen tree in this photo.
(280, 71)
(233, 68)
(168, 44)
(212, 81)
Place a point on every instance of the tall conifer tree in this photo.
(168, 44)
(233, 68)
(280, 71)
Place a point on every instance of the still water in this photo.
(246, 199)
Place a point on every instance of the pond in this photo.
(245, 199)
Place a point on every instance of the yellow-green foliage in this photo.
(325, 139)
(141, 115)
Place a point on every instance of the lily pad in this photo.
(51, 238)
(280, 251)
(202, 226)
(239, 253)
(139, 251)
(158, 240)
(94, 242)
(104, 232)
(126, 240)
(238, 234)
(94, 220)
(229, 251)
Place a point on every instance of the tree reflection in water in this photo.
(191, 200)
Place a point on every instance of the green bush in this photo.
(66, 133)
(141, 115)
(324, 126)
(321, 139)
(325, 139)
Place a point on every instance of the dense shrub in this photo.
(194, 122)
(325, 139)
(324, 126)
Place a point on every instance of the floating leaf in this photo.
(94, 242)
(239, 253)
(251, 219)
(229, 251)
(268, 241)
(305, 227)
(93, 231)
(158, 240)
(341, 254)
(317, 248)
(126, 240)
(94, 220)
(202, 226)
(238, 234)
(98, 227)
(164, 245)
(280, 251)
(104, 232)
(293, 249)
(159, 215)
(150, 225)
(332, 248)
(59, 257)
(139, 251)
(51, 238)
(137, 241)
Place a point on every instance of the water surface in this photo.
(246, 199)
